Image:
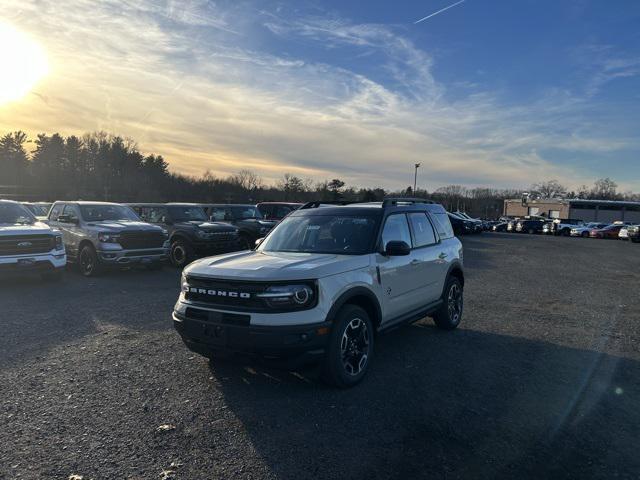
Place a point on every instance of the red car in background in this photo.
(610, 231)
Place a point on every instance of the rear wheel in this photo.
(88, 262)
(449, 314)
(350, 348)
(181, 253)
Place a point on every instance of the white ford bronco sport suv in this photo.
(27, 245)
(323, 283)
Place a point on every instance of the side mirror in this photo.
(397, 248)
(259, 241)
(68, 219)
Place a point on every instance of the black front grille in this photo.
(225, 294)
(26, 244)
(217, 317)
(138, 240)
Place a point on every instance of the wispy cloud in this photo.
(188, 80)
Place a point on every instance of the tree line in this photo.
(99, 166)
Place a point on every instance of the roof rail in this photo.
(317, 204)
(392, 201)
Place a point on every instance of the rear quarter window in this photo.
(443, 225)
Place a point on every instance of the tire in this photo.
(449, 314)
(181, 253)
(350, 348)
(88, 262)
(54, 276)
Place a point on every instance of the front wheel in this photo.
(449, 314)
(181, 253)
(88, 261)
(350, 348)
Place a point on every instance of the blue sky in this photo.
(487, 93)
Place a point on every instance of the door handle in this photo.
(442, 256)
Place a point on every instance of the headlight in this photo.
(59, 245)
(289, 296)
(184, 286)
(165, 233)
(108, 237)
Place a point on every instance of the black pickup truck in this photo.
(191, 234)
(247, 218)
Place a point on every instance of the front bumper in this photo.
(206, 331)
(41, 263)
(133, 257)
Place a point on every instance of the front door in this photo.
(399, 277)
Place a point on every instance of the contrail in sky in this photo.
(439, 11)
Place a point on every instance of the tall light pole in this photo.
(415, 178)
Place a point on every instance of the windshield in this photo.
(187, 214)
(38, 210)
(12, 214)
(350, 235)
(245, 212)
(101, 213)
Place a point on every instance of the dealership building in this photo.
(587, 210)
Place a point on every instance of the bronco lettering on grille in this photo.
(217, 293)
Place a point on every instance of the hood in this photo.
(276, 266)
(111, 226)
(209, 226)
(260, 221)
(37, 228)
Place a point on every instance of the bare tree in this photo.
(549, 189)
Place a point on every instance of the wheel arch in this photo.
(361, 297)
(455, 270)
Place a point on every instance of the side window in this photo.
(423, 233)
(396, 228)
(55, 212)
(218, 214)
(443, 225)
(71, 211)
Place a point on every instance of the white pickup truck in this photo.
(27, 245)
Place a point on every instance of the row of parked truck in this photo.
(93, 235)
(570, 228)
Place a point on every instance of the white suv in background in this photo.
(323, 283)
(27, 245)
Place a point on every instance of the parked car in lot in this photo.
(500, 227)
(99, 234)
(633, 233)
(40, 210)
(461, 226)
(563, 226)
(530, 226)
(478, 225)
(610, 231)
(247, 218)
(583, 230)
(27, 245)
(277, 210)
(191, 234)
(323, 283)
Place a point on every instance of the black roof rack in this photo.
(317, 204)
(392, 201)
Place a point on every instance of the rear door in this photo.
(431, 256)
(400, 279)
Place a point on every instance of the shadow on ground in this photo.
(463, 404)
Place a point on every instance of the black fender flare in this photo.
(355, 292)
(456, 266)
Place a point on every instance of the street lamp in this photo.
(415, 178)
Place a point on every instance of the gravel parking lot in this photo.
(541, 380)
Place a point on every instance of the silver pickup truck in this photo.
(98, 234)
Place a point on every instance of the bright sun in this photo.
(23, 63)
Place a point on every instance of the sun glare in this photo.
(23, 63)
